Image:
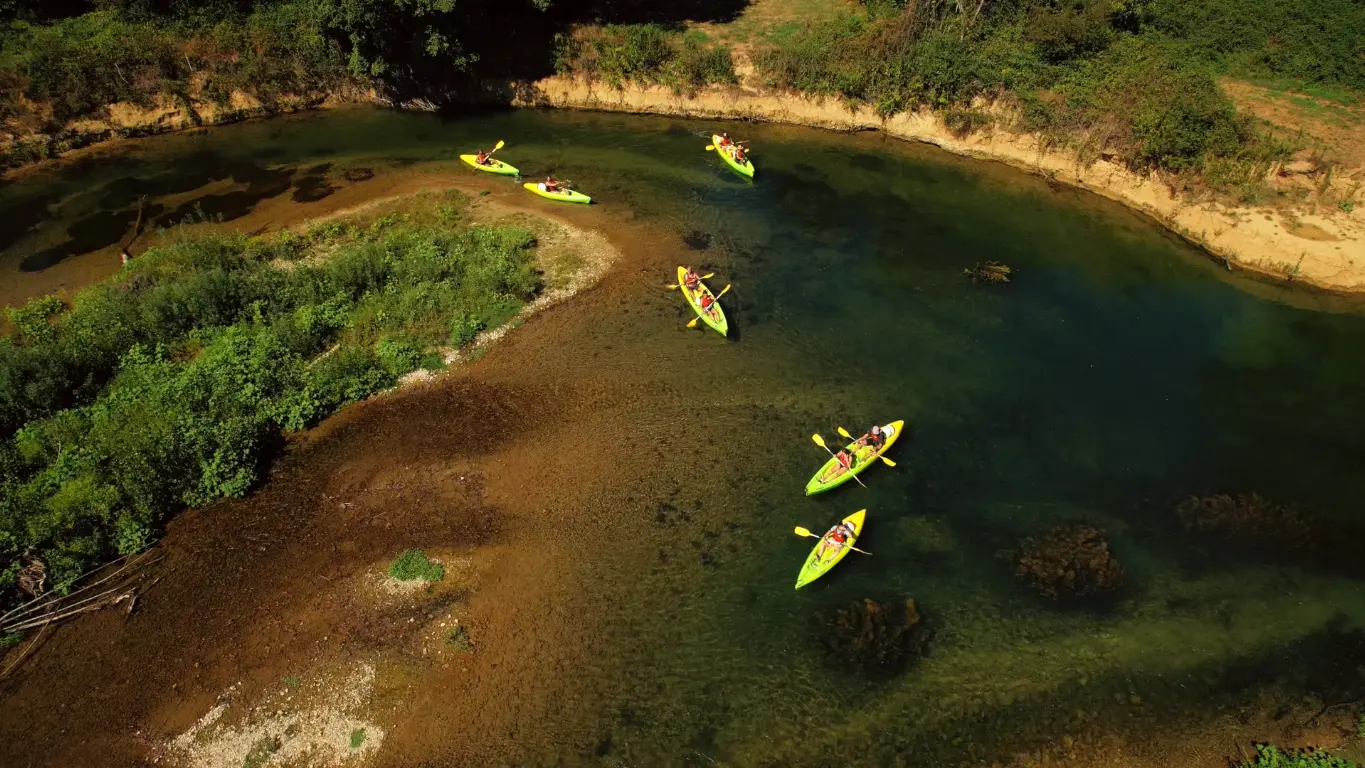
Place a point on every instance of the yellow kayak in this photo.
(726, 154)
(818, 565)
(494, 166)
(833, 474)
(565, 196)
(714, 316)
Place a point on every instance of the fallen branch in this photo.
(51, 598)
(91, 604)
(24, 654)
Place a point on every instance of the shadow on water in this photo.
(91, 233)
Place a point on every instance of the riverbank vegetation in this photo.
(1131, 80)
(173, 382)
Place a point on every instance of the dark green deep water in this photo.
(1120, 372)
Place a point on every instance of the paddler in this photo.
(874, 439)
(484, 158)
(552, 184)
(692, 280)
(738, 154)
(725, 139)
(837, 537)
(706, 301)
(845, 460)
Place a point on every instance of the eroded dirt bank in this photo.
(1316, 246)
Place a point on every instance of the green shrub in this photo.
(645, 54)
(459, 639)
(399, 355)
(414, 564)
(168, 384)
(347, 375)
(32, 322)
(464, 329)
(1268, 756)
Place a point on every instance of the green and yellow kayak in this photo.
(567, 196)
(833, 475)
(715, 317)
(746, 167)
(816, 567)
(494, 166)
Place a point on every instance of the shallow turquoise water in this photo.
(1120, 372)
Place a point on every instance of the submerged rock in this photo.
(1070, 563)
(1250, 519)
(873, 637)
(989, 272)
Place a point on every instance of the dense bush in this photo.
(169, 384)
(1097, 74)
(1269, 756)
(1316, 41)
(645, 54)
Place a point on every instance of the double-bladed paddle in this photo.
(820, 441)
(803, 532)
(889, 462)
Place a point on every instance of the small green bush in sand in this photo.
(1269, 756)
(414, 564)
(459, 640)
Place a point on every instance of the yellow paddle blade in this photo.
(708, 275)
(500, 144)
(722, 291)
(672, 287)
(693, 324)
(803, 532)
(820, 441)
(710, 147)
(845, 433)
(889, 462)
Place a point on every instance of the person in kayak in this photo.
(483, 158)
(874, 439)
(707, 303)
(553, 185)
(738, 154)
(837, 537)
(725, 139)
(844, 461)
(692, 280)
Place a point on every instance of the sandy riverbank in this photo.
(1322, 248)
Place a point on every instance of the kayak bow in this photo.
(567, 196)
(833, 475)
(815, 567)
(714, 318)
(746, 167)
(496, 166)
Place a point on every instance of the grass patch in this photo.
(459, 640)
(170, 383)
(357, 738)
(415, 565)
(1269, 756)
(12, 639)
(261, 752)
